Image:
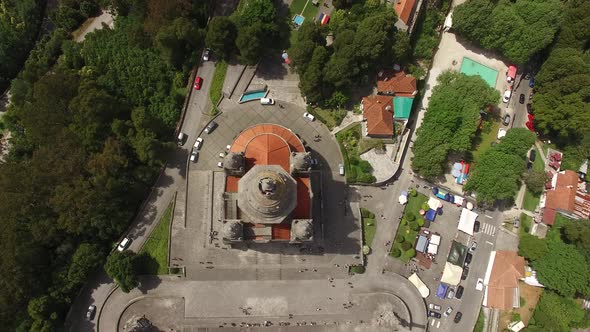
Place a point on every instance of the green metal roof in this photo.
(402, 107)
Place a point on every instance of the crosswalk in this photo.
(488, 229)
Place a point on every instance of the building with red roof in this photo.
(396, 84)
(268, 192)
(567, 195)
(505, 269)
(378, 112)
(405, 10)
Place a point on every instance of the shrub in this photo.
(410, 216)
(515, 317)
(413, 192)
(371, 215)
(399, 239)
(396, 252)
(365, 213)
(365, 166)
(404, 222)
(414, 226)
(522, 302)
(354, 161)
(425, 206)
(421, 222)
(406, 245)
(410, 253)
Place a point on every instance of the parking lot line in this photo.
(438, 325)
(432, 322)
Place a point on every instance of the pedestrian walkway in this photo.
(348, 119)
(488, 229)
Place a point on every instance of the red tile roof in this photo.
(378, 110)
(562, 197)
(399, 83)
(404, 9)
(507, 269)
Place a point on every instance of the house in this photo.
(567, 195)
(505, 268)
(406, 13)
(378, 112)
(396, 84)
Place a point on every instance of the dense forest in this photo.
(90, 123)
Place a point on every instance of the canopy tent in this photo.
(441, 291)
(430, 215)
(433, 248)
(403, 199)
(511, 73)
(422, 288)
(469, 206)
(435, 239)
(458, 166)
(466, 221)
(433, 203)
(448, 22)
(451, 274)
(456, 173)
(422, 243)
(458, 200)
(457, 253)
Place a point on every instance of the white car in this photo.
(506, 96)
(308, 116)
(433, 306)
(90, 313)
(206, 54)
(479, 285)
(448, 311)
(194, 156)
(341, 169)
(198, 144)
(123, 244)
(501, 133)
(267, 101)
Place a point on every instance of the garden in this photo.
(352, 145)
(407, 231)
(330, 117)
(532, 198)
(156, 246)
(369, 227)
(217, 85)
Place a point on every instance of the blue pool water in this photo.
(247, 96)
(298, 19)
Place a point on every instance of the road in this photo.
(518, 111)
(172, 179)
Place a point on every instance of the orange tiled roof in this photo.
(302, 210)
(378, 110)
(401, 84)
(562, 197)
(507, 269)
(404, 9)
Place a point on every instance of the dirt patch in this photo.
(531, 296)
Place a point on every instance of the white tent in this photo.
(448, 22)
(433, 203)
(516, 326)
(466, 221)
(432, 248)
(435, 239)
(422, 288)
(403, 199)
(451, 274)
(458, 200)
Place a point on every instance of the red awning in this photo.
(511, 72)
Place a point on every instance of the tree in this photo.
(250, 43)
(120, 267)
(531, 247)
(557, 313)
(535, 181)
(578, 233)
(221, 36)
(86, 258)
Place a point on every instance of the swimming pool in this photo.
(471, 68)
(298, 19)
(252, 95)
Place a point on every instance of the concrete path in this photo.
(91, 24)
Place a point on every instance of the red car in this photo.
(198, 82)
(530, 126)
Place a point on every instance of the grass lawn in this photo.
(531, 200)
(538, 164)
(526, 222)
(156, 246)
(369, 226)
(356, 169)
(331, 118)
(405, 230)
(483, 141)
(479, 324)
(217, 83)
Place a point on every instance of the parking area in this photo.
(281, 80)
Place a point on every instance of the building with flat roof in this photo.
(268, 194)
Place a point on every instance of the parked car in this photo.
(516, 222)
(433, 314)
(458, 316)
(92, 310)
(433, 306)
(532, 82)
(181, 139)
(521, 98)
(124, 244)
(450, 293)
(459, 292)
(465, 273)
(267, 101)
(341, 169)
(506, 120)
(529, 108)
(198, 82)
(220, 164)
(529, 165)
(530, 126)
(476, 226)
(210, 127)
(198, 144)
(479, 285)
(194, 155)
(506, 96)
(468, 259)
(533, 155)
(473, 247)
(206, 53)
(308, 116)
(448, 311)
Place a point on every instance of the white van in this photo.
(267, 101)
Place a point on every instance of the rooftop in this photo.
(398, 83)
(508, 268)
(378, 110)
(404, 9)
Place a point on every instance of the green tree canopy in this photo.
(121, 267)
(557, 313)
(531, 247)
(535, 181)
(221, 36)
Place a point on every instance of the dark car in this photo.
(532, 82)
(529, 108)
(476, 226)
(433, 314)
(468, 258)
(465, 273)
(506, 120)
(521, 98)
(533, 155)
(529, 165)
(210, 127)
(459, 292)
(458, 316)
